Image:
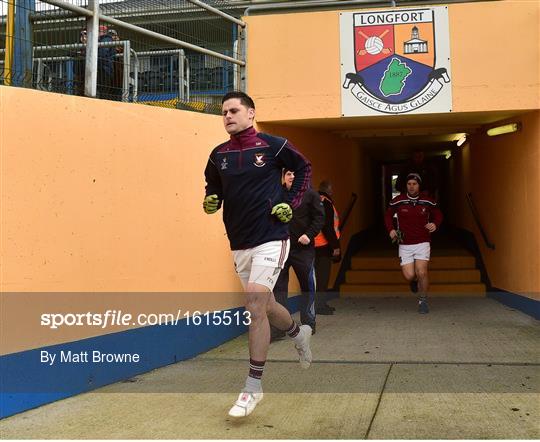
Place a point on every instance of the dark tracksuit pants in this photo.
(323, 266)
(302, 260)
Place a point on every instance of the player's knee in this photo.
(256, 309)
(409, 276)
(421, 273)
(270, 307)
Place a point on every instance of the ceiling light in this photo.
(461, 140)
(506, 129)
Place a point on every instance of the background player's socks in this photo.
(293, 331)
(253, 381)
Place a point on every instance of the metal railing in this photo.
(163, 77)
(66, 73)
(153, 55)
(476, 217)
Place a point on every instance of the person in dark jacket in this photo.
(117, 83)
(327, 248)
(80, 65)
(305, 225)
(244, 176)
(105, 65)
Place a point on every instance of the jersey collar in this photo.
(244, 137)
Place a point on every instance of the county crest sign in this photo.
(395, 62)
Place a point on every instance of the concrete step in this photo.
(374, 290)
(392, 263)
(459, 276)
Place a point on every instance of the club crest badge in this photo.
(224, 163)
(259, 160)
(395, 62)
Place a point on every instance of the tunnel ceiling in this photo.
(400, 134)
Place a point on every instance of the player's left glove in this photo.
(283, 212)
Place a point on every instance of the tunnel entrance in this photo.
(365, 156)
(390, 169)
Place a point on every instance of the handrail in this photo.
(164, 38)
(183, 69)
(489, 244)
(218, 12)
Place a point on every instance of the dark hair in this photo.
(325, 186)
(244, 98)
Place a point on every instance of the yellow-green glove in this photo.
(283, 212)
(399, 237)
(211, 204)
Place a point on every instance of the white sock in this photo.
(253, 385)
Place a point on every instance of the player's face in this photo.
(288, 178)
(413, 187)
(236, 116)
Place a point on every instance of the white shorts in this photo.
(261, 264)
(409, 252)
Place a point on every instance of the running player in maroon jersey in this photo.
(417, 217)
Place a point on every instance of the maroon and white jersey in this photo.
(412, 216)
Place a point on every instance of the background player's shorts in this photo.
(409, 252)
(261, 264)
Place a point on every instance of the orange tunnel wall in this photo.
(503, 175)
(99, 196)
(105, 196)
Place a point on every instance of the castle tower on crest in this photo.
(415, 45)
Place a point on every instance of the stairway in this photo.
(377, 273)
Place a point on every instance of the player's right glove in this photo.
(211, 204)
(283, 212)
(399, 237)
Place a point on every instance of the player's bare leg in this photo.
(262, 306)
(257, 299)
(421, 270)
(280, 318)
(278, 315)
(408, 271)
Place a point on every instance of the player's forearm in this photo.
(213, 181)
(388, 216)
(437, 217)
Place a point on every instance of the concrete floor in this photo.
(467, 370)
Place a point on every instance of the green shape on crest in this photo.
(394, 77)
